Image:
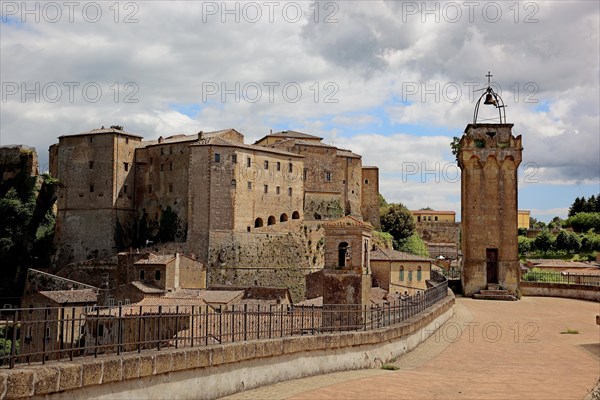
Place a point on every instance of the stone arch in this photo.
(295, 215)
(258, 222)
(283, 217)
(271, 220)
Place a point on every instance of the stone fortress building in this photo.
(228, 202)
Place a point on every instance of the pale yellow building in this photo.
(523, 219)
(400, 272)
(433, 216)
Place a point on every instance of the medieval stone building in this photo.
(216, 193)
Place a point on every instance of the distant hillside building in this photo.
(433, 216)
(524, 217)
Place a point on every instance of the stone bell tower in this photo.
(488, 157)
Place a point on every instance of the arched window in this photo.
(283, 218)
(410, 275)
(401, 272)
(295, 215)
(419, 273)
(258, 223)
(342, 251)
(271, 220)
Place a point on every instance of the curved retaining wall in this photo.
(215, 371)
(583, 292)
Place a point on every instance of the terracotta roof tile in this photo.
(395, 255)
(71, 296)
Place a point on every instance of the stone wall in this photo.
(216, 371)
(583, 292)
(439, 232)
(42, 281)
(101, 272)
(370, 196)
(17, 159)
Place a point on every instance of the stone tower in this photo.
(347, 272)
(488, 157)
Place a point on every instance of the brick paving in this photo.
(489, 349)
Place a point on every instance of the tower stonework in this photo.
(488, 157)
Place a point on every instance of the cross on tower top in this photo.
(489, 75)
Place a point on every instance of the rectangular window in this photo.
(91, 139)
(170, 188)
(278, 166)
(91, 188)
(162, 167)
(290, 167)
(91, 165)
(249, 185)
(266, 188)
(366, 181)
(126, 140)
(304, 174)
(126, 166)
(170, 166)
(170, 150)
(277, 190)
(157, 275)
(266, 164)
(234, 158)
(124, 188)
(233, 183)
(289, 191)
(217, 157)
(141, 275)
(149, 189)
(435, 218)
(248, 162)
(327, 176)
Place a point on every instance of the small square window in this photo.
(366, 181)
(91, 165)
(266, 164)
(217, 157)
(249, 185)
(266, 188)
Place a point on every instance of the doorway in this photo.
(491, 263)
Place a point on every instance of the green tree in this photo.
(169, 225)
(455, 146)
(525, 245)
(398, 221)
(577, 206)
(544, 241)
(535, 224)
(584, 221)
(415, 245)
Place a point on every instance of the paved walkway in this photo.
(491, 350)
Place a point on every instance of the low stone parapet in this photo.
(215, 371)
(573, 291)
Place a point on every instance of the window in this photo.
(170, 166)
(290, 167)
(249, 185)
(126, 140)
(91, 165)
(126, 166)
(151, 159)
(304, 174)
(327, 176)
(266, 188)
(429, 218)
(162, 151)
(157, 275)
(149, 189)
(124, 188)
(289, 191)
(162, 167)
(418, 218)
(344, 181)
(410, 275)
(342, 254)
(271, 220)
(419, 273)
(170, 150)
(258, 223)
(233, 183)
(170, 188)
(234, 158)
(266, 164)
(141, 275)
(401, 273)
(283, 218)
(435, 218)
(47, 332)
(217, 157)
(366, 181)
(91, 139)
(277, 189)
(91, 188)
(248, 162)
(278, 166)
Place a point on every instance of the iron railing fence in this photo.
(560, 277)
(451, 273)
(37, 335)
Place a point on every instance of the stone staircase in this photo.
(494, 292)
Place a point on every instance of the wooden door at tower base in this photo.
(491, 263)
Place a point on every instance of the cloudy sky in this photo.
(393, 81)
